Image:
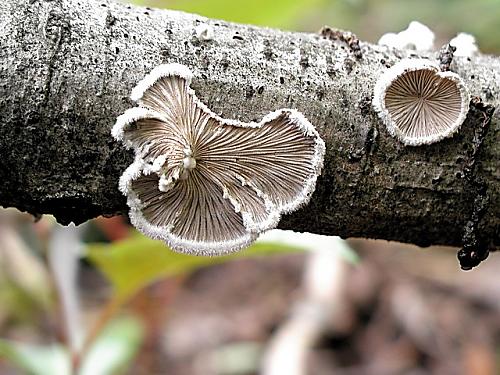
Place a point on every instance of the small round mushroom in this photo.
(204, 32)
(418, 103)
(465, 45)
(206, 185)
(416, 36)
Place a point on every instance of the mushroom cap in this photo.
(416, 36)
(418, 103)
(465, 45)
(206, 185)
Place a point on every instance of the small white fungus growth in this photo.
(189, 163)
(417, 36)
(391, 40)
(206, 185)
(204, 32)
(418, 103)
(465, 45)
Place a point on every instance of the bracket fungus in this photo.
(418, 103)
(206, 185)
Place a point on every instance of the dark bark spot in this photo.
(355, 155)
(488, 94)
(446, 57)
(110, 20)
(165, 52)
(347, 37)
(370, 143)
(269, 54)
(475, 247)
(249, 92)
(436, 180)
(365, 104)
(332, 73)
(225, 63)
(348, 64)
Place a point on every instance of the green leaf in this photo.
(347, 252)
(136, 262)
(237, 358)
(271, 13)
(115, 347)
(36, 359)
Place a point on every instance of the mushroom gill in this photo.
(420, 104)
(204, 184)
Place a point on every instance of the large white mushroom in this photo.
(206, 185)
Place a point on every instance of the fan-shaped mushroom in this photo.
(206, 185)
(418, 103)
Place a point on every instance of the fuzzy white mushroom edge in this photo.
(144, 166)
(400, 69)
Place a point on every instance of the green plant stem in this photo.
(105, 316)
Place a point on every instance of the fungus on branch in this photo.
(416, 36)
(465, 45)
(418, 103)
(206, 185)
(204, 32)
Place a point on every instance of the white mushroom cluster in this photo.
(416, 36)
(419, 37)
(206, 185)
(418, 103)
(465, 45)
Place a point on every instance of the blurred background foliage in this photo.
(129, 269)
(41, 266)
(369, 19)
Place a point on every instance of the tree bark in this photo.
(68, 66)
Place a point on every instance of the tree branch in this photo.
(67, 68)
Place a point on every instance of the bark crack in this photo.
(475, 245)
(56, 28)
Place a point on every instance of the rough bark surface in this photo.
(67, 68)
